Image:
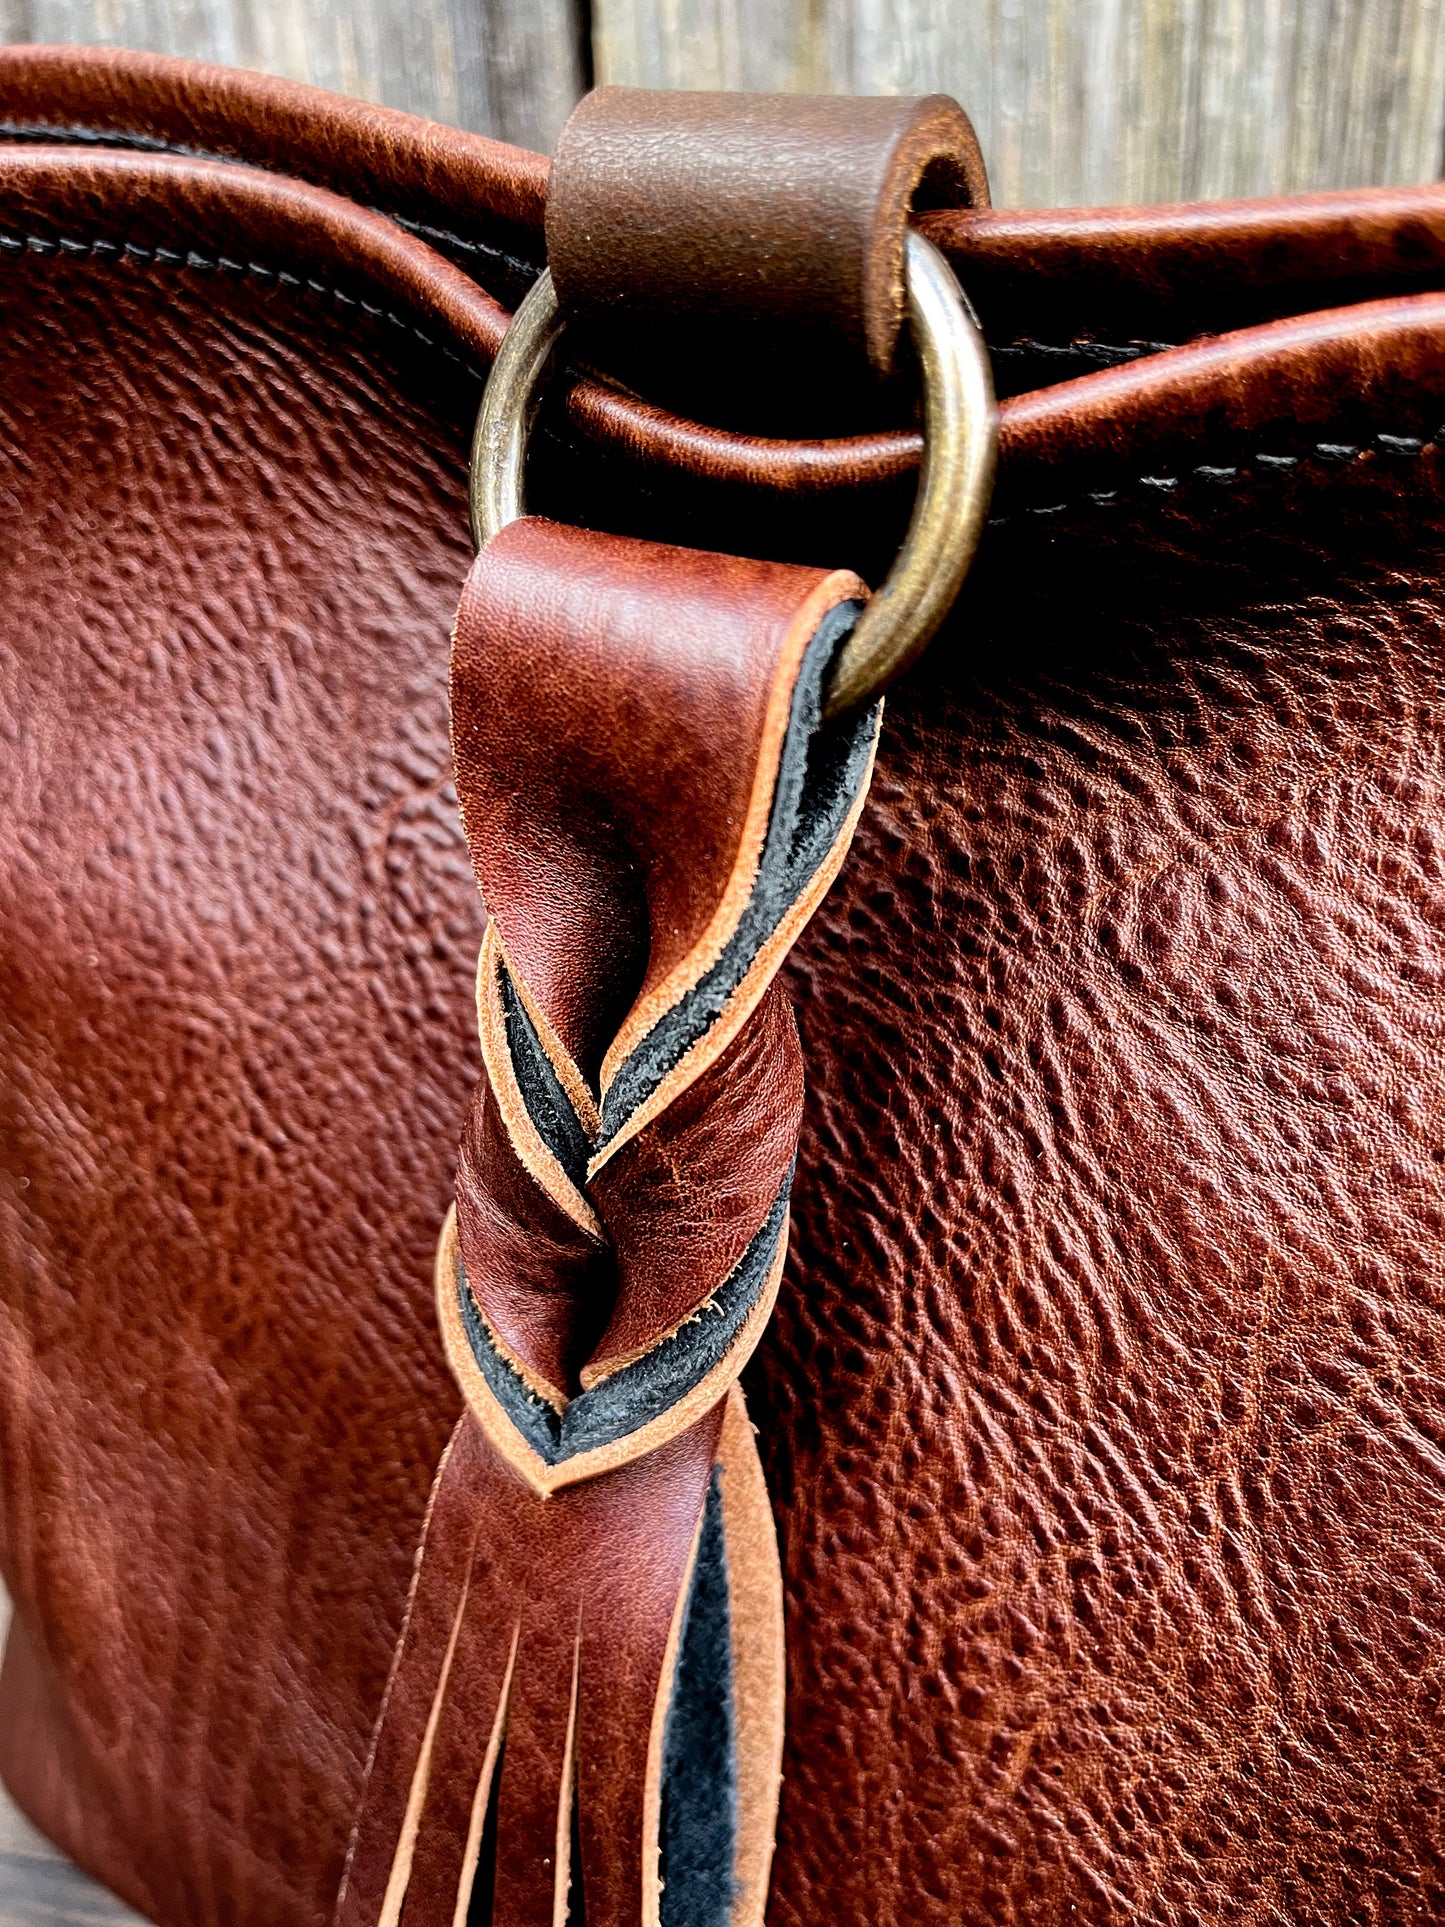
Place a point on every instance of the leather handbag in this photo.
(880, 1359)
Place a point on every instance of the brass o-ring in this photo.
(960, 442)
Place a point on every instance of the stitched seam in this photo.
(444, 238)
(1337, 455)
(1082, 348)
(1079, 347)
(39, 131)
(103, 252)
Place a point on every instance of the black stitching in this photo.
(40, 132)
(1335, 454)
(1081, 348)
(446, 241)
(102, 250)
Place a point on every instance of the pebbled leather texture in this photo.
(1103, 1407)
(1113, 1544)
(239, 933)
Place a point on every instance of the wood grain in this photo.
(1076, 100)
(512, 68)
(1092, 101)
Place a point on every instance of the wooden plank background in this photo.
(1076, 100)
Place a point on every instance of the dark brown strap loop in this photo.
(784, 213)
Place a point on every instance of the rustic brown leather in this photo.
(780, 214)
(1124, 281)
(478, 200)
(620, 715)
(657, 671)
(634, 733)
(1138, 1464)
(1136, 278)
(1183, 269)
(550, 1598)
(1112, 1535)
(235, 903)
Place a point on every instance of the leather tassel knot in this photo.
(585, 1715)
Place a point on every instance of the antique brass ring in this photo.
(960, 442)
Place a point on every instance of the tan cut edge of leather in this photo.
(755, 1583)
(397, 1650)
(750, 991)
(533, 1153)
(568, 1075)
(397, 1881)
(540, 1388)
(755, 1595)
(840, 585)
(651, 1867)
(597, 1370)
(497, 1426)
(481, 1797)
(566, 1794)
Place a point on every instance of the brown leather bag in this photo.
(1098, 1492)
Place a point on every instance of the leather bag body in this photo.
(1103, 1407)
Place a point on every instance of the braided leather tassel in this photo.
(585, 1714)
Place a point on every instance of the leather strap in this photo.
(654, 808)
(588, 1694)
(783, 214)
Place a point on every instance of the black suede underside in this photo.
(700, 1765)
(820, 774)
(548, 1105)
(652, 1384)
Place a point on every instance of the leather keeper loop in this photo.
(780, 214)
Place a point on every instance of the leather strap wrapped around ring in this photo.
(653, 812)
(585, 1715)
(777, 214)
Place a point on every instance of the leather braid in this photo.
(620, 1242)
(681, 1230)
(653, 809)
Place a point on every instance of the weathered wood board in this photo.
(1092, 101)
(512, 68)
(1076, 100)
